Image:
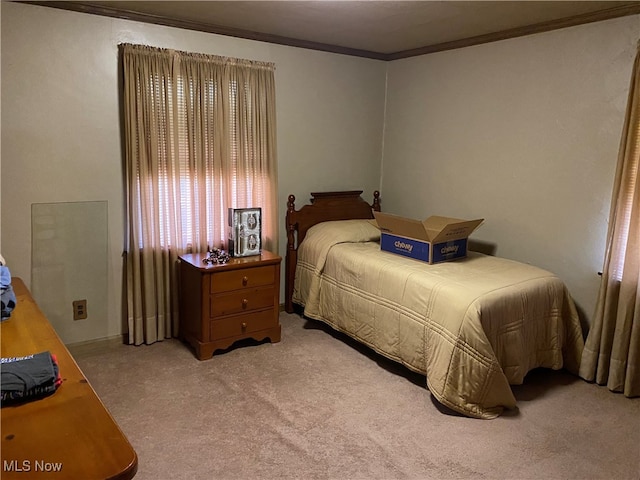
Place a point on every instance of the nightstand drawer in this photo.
(241, 324)
(241, 301)
(244, 278)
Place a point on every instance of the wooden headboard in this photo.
(323, 207)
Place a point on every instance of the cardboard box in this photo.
(245, 237)
(434, 240)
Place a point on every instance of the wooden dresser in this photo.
(69, 434)
(221, 304)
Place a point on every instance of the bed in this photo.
(473, 327)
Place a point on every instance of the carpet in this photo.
(319, 406)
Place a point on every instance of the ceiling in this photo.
(376, 29)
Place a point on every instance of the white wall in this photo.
(522, 132)
(61, 137)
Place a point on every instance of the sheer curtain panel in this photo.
(199, 133)
(611, 355)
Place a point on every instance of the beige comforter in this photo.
(473, 326)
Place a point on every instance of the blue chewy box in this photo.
(434, 240)
(449, 250)
(405, 246)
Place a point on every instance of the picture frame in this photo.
(245, 232)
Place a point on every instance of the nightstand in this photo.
(223, 303)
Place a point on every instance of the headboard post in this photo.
(376, 201)
(323, 207)
(291, 258)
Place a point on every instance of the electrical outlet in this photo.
(79, 309)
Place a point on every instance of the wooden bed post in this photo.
(376, 201)
(291, 258)
(323, 207)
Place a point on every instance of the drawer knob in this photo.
(245, 280)
(244, 326)
(245, 302)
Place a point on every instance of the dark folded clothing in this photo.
(7, 302)
(7, 296)
(28, 378)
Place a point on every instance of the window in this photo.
(625, 206)
(199, 139)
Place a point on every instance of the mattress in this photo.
(473, 326)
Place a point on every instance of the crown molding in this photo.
(123, 14)
(632, 8)
(600, 15)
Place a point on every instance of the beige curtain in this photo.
(612, 352)
(199, 138)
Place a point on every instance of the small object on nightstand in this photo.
(221, 303)
(244, 231)
(216, 256)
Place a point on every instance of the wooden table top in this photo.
(69, 434)
(197, 260)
